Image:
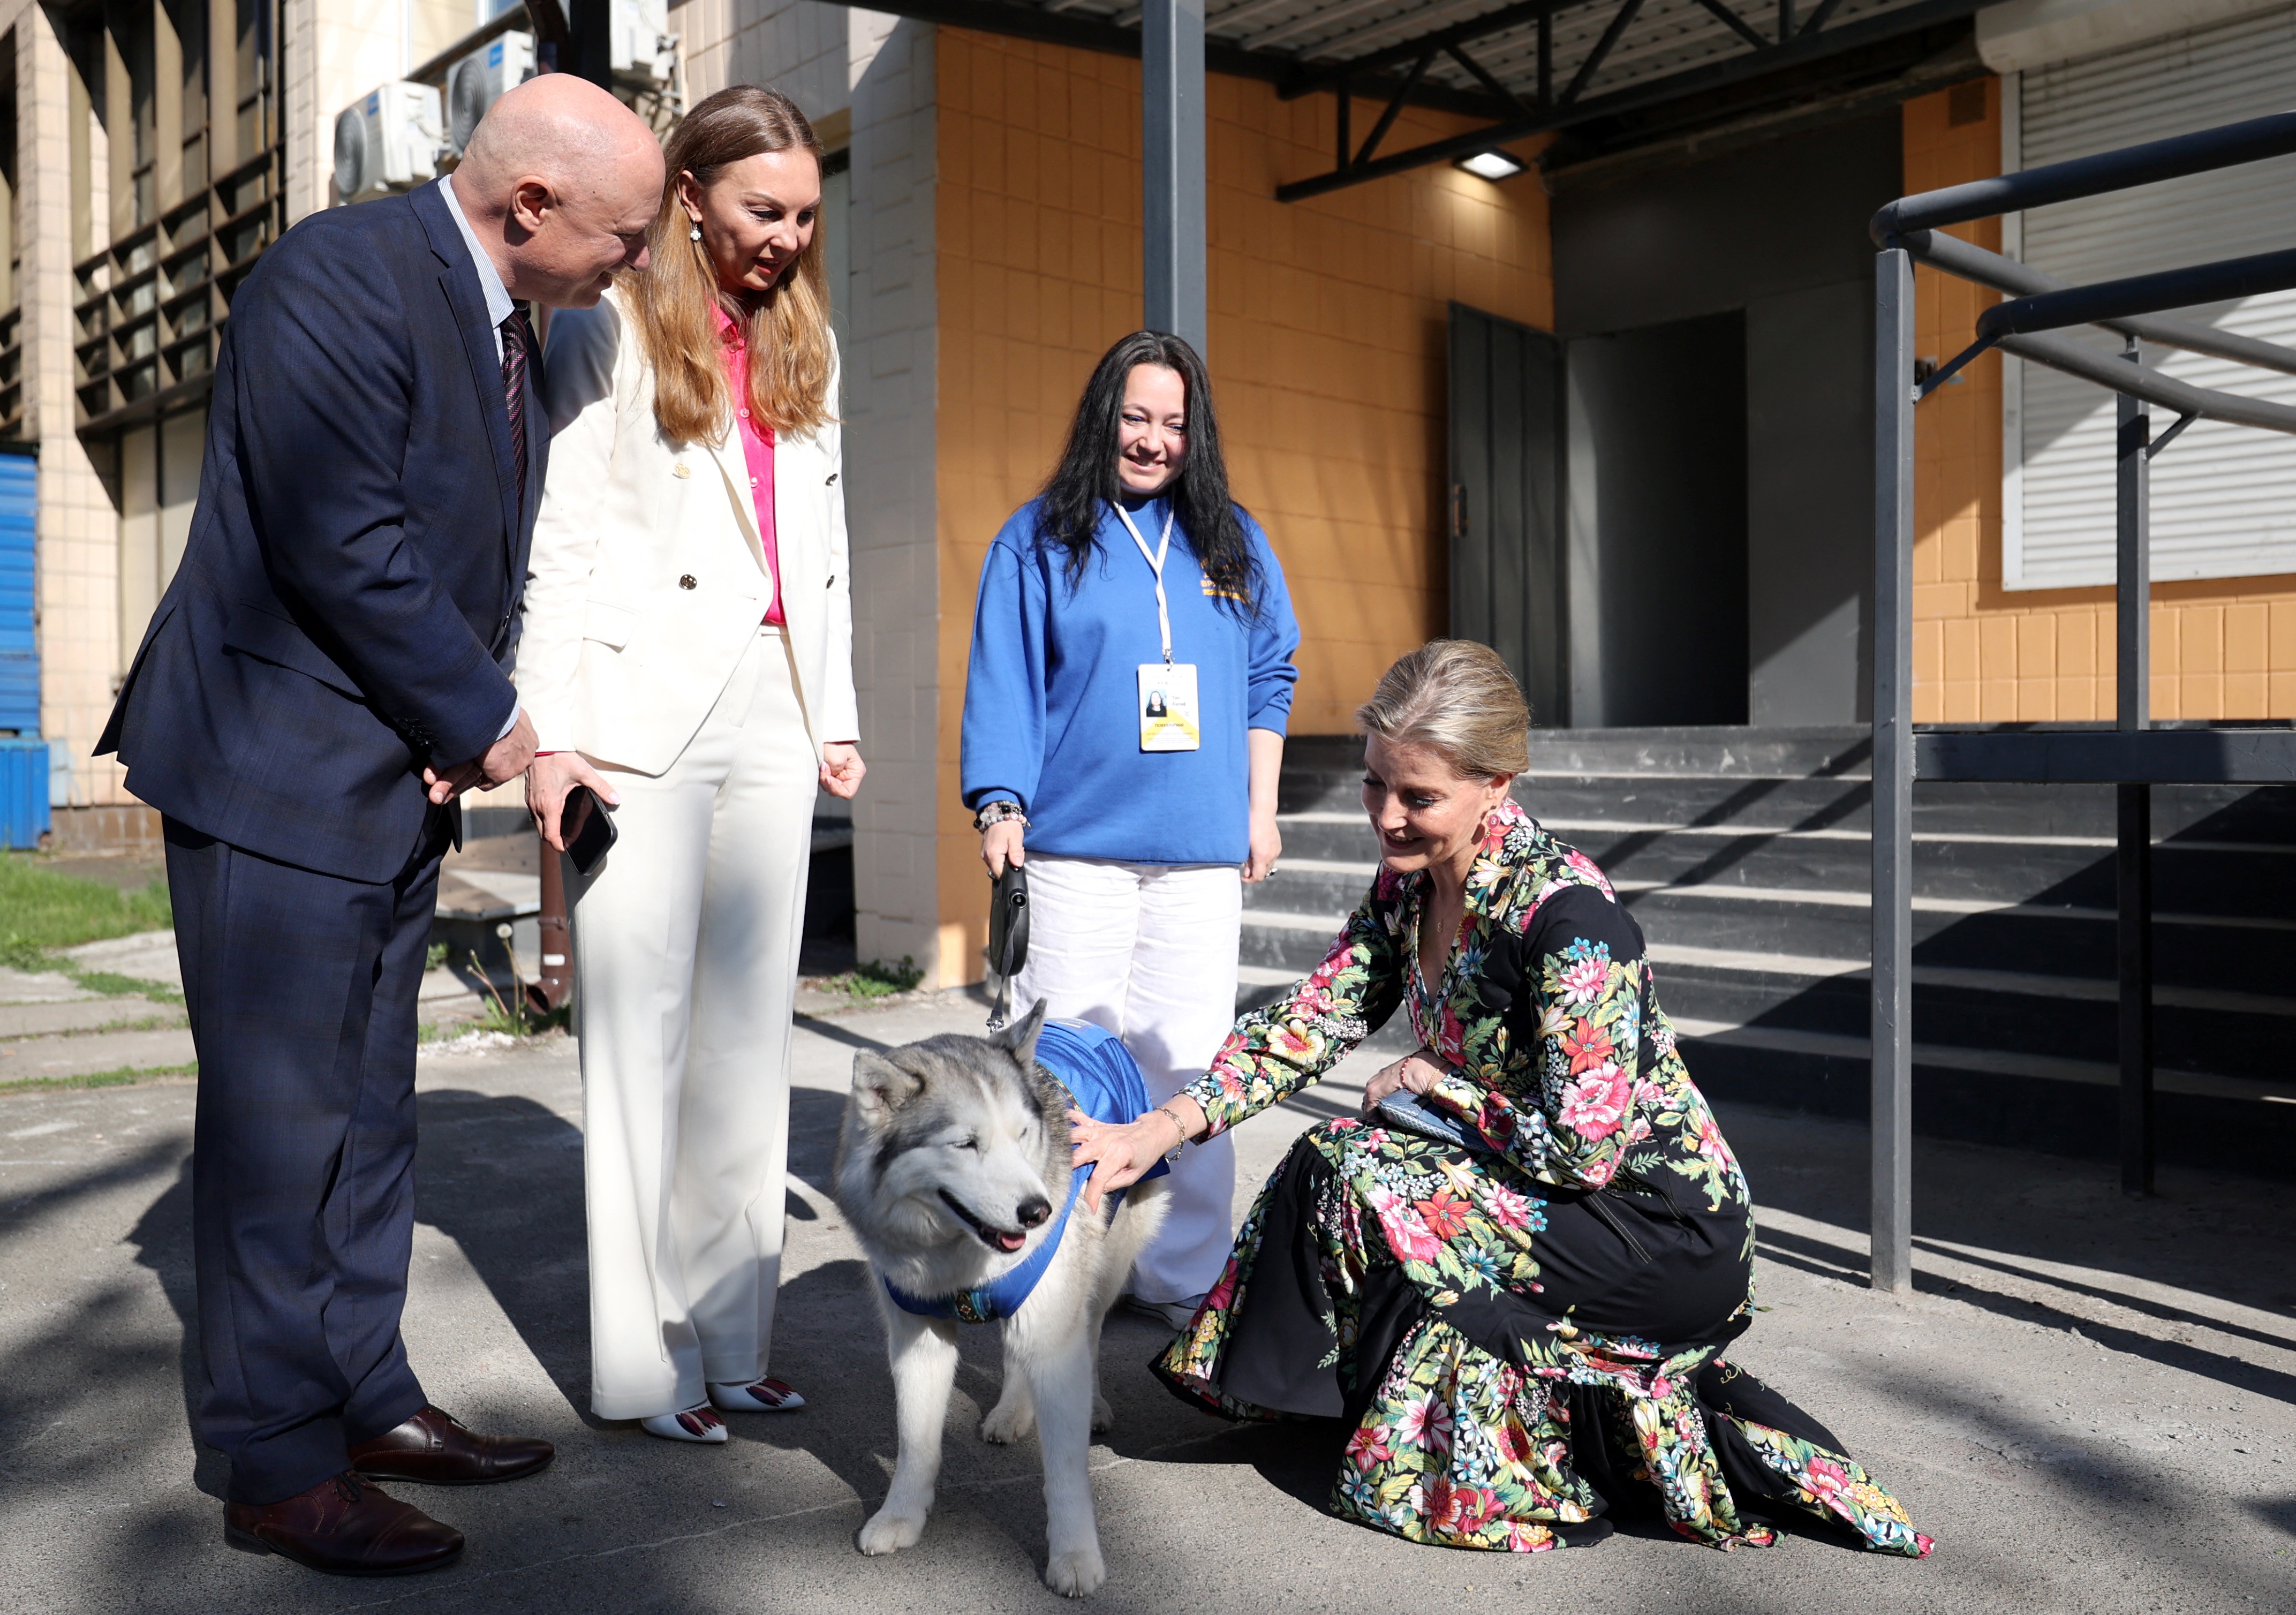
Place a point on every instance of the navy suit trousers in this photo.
(301, 991)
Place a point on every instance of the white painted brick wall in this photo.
(799, 47)
(828, 59)
(891, 503)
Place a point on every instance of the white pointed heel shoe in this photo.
(761, 1396)
(699, 1422)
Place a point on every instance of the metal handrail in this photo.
(2201, 402)
(2133, 755)
(2235, 144)
(2137, 294)
(1956, 256)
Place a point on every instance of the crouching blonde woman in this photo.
(1515, 1274)
(688, 656)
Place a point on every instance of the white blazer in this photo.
(647, 577)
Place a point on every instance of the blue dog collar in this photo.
(1002, 1296)
(1103, 1080)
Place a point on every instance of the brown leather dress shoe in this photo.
(435, 1448)
(344, 1526)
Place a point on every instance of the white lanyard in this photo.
(1156, 565)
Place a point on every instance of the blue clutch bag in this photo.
(1407, 1111)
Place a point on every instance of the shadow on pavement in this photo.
(501, 1175)
(2215, 1235)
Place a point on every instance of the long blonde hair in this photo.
(1456, 698)
(674, 301)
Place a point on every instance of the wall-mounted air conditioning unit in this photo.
(388, 140)
(478, 79)
(644, 50)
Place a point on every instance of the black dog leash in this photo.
(1008, 937)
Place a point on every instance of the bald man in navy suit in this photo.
(328, 672)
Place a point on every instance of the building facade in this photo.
(1686, 276)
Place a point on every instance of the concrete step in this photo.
(2218, 877)
(2061, 1105)
(51, 1020)
(1745, 857)
(87, 1054)
(2188, 812)
(2017, 1012)
(2242, 954)
(2229, 878)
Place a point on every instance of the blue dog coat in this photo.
(1104, 1081)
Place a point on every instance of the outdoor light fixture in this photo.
(1493, 164)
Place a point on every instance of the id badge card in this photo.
(1168, 707)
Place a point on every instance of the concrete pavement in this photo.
(2091, 1403)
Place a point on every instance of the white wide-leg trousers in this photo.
(1148, 952)
(685, 951)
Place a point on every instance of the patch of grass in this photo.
(42, 910)
(110, 984)
(120, 1077)
(875, 980)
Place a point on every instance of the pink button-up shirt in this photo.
(758, 451)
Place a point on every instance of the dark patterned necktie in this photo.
(517, 342)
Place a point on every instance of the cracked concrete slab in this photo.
(43, 1019)
(148, 955)
(85, 1054)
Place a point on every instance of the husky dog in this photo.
(953, 1168)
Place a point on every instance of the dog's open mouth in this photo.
(997, 1239)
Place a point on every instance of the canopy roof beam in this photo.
(1814, 40)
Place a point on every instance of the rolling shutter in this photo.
(2224, 497)
(20, 639)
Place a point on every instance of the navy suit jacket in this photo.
(346, 612)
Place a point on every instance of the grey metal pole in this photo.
(1172, 168)
(2133, 855)
(1890, 1239)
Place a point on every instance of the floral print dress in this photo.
(1523, 1335)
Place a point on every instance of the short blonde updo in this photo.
(1456, 698)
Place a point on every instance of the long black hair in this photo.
(1084, 484)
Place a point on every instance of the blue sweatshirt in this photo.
(1050, 693)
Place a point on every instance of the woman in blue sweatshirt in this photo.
(1124, 713)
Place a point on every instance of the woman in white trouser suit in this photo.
(688, 656)
(1124, 712)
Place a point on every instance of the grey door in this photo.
(1657, 434)
(1506, 504)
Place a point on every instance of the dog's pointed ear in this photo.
(1020, 1037)
(880, 1087)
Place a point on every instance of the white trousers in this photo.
(686, 950)
(1148, 952)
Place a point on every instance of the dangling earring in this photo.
(694, 234)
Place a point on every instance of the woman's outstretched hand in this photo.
(1120, 1154)
(548, 780)
(1419, 1070)
(842, 768)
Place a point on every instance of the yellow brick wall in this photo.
(2222, 648)
(1327, 349)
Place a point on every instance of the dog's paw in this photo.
(888, 1532)
(1103, 1416)
(1007, 1425)
(1076, 1574)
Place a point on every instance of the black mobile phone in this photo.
(586, 827)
